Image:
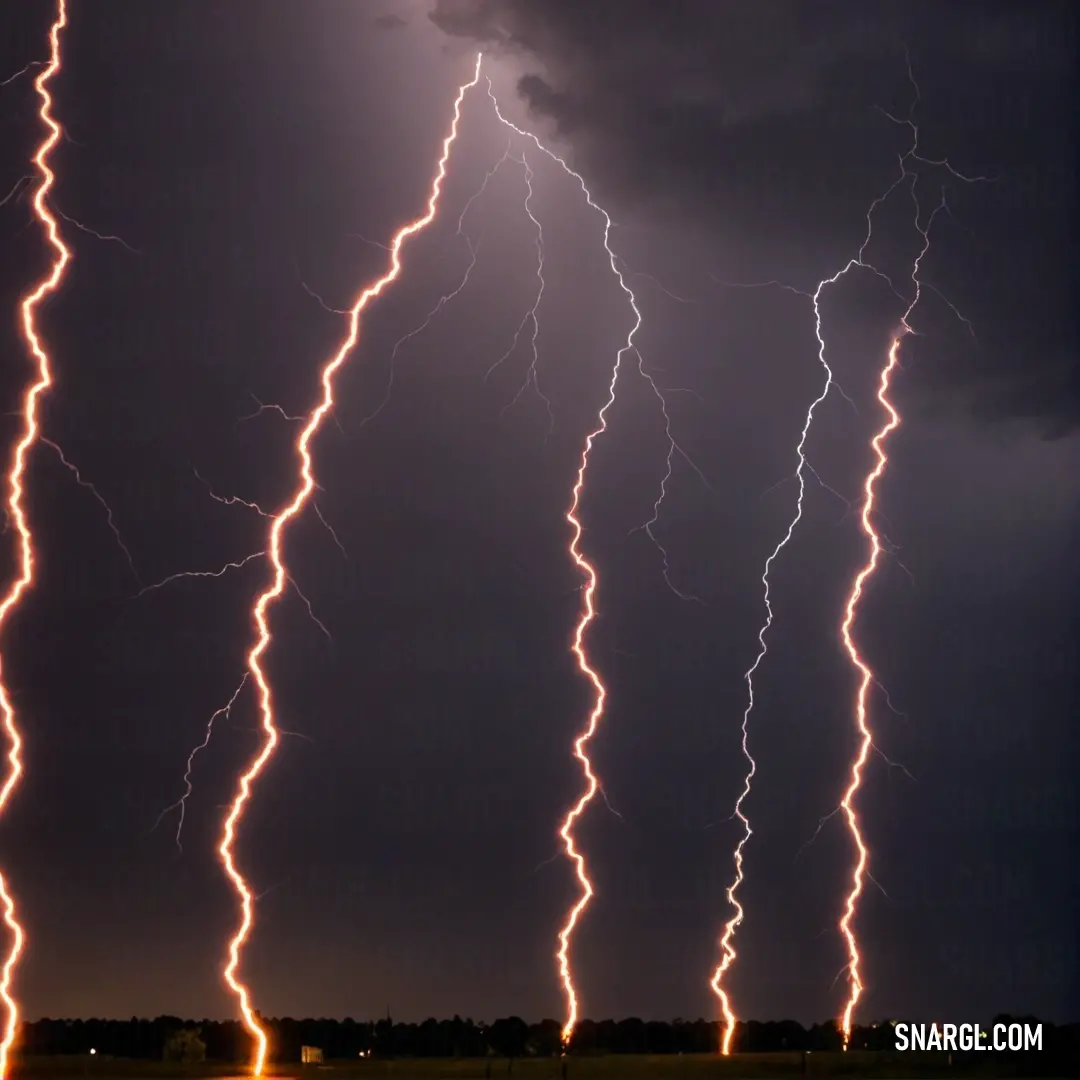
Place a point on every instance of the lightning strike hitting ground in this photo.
(728, 936)
(867, 678)
(727, 939)
(588, 612)
(260, 610)
(859, 261)
(15, 509)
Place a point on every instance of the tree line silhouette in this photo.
(509, 1037)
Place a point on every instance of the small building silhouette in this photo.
(311, 1055)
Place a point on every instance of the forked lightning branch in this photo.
(964, 1037)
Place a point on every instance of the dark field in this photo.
(601, 1067)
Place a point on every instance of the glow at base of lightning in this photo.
(587, 616)
(16, 511)
(260, 611)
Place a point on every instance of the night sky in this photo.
(247, 154)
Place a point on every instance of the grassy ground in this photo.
(606, 1067)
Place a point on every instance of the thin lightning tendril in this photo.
(107, 237)
(16, 511)
(474, 251)
(279, 583)
(531, 375)
(181, 803)
(17, 190)
(221, 572)
(21, 72)
(673, 448)
(84, 483)
(262, 407)
(236, 500)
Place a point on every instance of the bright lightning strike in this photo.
(260, 609)
(15, 509)
(181, 574)
(588, 614)
(867, 678)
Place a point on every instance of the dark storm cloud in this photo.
(761, 116)
(625, 61)
(390, 21)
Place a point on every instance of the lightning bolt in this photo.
(866, 675)
(16, 511)
(260, 610)
(866, 678)
(803, 466)
(587, 612)
(731, 926)
(727, 939)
